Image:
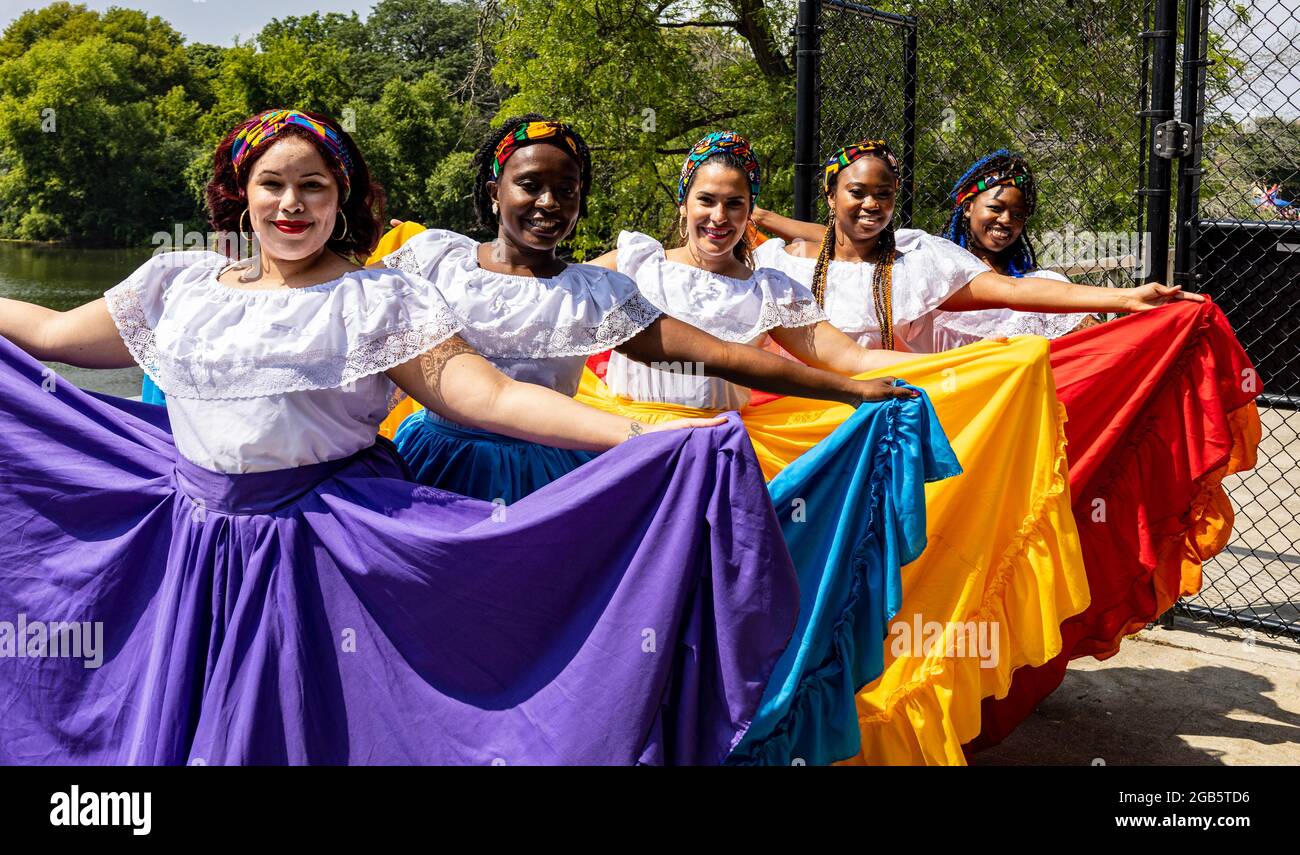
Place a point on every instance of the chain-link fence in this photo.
(1087, 90)
(1239, 241)
(872, 55)
(1060, 81)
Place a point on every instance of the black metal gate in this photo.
(1166, 140)
(1238, 239)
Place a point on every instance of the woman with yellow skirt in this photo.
(1161, 403)
(1002, 569)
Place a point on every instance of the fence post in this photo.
(1195, 62)
(1159, 168)
(807, 54)
(909, 124)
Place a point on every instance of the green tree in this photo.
(411, 139)
(79, 91)
(642, 81)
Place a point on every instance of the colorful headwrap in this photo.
(530, 133)
(851, 154)
(1015, 175)
(1001, 168)
(717, 142)
(271, 122)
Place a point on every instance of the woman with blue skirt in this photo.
(249, 577)
(538, 319)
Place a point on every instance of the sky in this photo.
(1270, 47)
(217, 22)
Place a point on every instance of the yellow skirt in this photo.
(1002, 569)
(391, 242)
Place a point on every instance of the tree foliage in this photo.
(108, 120)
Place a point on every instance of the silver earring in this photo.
(495, 209)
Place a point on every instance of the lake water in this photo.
(62, 278)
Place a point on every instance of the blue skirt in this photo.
(478, 463)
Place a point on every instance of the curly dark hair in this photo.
(227, 196)
(486, 154)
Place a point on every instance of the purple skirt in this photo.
(155, 612)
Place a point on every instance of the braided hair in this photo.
(485, 156)
(882, 290)
(743, 250)
(1019, 258)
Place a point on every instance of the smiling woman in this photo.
(538, 318)
(307, 190)
(885, 286)
(255, 557)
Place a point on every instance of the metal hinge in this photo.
(1173, 139)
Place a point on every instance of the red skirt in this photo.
(1161, 407)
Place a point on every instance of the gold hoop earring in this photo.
(681, 228)
(345, 227)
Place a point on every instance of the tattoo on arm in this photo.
(434, 361)
(635, 429)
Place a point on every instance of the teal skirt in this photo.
(478, 463)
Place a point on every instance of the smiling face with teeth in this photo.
(716, 210)
(539, 196)
(997, 217)
(863, 199)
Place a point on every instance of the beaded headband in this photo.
(1016, 177)
(850, 154)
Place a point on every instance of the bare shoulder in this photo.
(801, 248)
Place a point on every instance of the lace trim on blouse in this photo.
(544, 339)
(194, 377)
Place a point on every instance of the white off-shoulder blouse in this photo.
(954, 329)
(534, 329)
(264, 380)
(927, 271)
(737, 310)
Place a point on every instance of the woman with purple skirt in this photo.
(249, 577)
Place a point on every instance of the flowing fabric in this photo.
(338, 613)
(1002, 550)
(853, 514)
(1162, 409)
(478, 463)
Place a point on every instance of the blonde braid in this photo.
(882, 287)
(824, 257)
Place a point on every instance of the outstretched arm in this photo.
(454, 381)
(85, 336)
(671, 340)
(788, 228)
(822, 345)
(991, 290)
